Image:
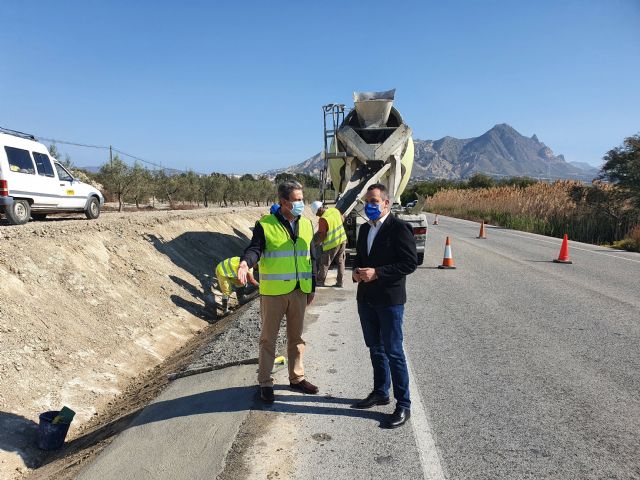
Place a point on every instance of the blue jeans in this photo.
(382, 329)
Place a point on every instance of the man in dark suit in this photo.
(385, 255)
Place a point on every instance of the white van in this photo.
(32, 184)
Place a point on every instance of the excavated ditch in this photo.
(95, 314)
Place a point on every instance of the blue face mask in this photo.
(298, 208)
(373, 211)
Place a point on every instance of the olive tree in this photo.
(116, 178)
(622, 167)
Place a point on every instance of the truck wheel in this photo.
(420, 258)
(348, 260)
(93, 210)
(39, 216)
(19, 212)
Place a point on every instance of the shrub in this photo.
(547, 209)
(631, 242)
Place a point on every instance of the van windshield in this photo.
(63, 175)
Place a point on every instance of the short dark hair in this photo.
(285, 188)
(379, 186)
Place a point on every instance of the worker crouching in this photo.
(228, 282)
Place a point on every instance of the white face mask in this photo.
(297, 208)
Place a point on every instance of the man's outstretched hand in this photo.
(243, 268)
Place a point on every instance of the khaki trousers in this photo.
(272, 309)
(327, 258)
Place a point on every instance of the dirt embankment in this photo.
(85, 306)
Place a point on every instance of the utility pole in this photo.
(110, 155)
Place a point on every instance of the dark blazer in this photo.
(393, 255)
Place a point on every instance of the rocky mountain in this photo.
(501, 151)
(590, 169)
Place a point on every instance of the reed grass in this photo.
(543, 208)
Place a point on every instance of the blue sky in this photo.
(238, 87)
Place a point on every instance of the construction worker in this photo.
(281, 244)
(227, 274)
(333, 238)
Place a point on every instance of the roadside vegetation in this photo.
(604, 212)
(144, 188)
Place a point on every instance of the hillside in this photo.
(501, 151)
(86, 306)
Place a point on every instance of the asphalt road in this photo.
(521, 369)
(527, 368)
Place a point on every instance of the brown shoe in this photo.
(305, 387)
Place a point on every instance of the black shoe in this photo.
(266, 394)
(371, 401)
(242, 298)
(398, 418)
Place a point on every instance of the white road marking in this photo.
(574, 247)
(429, 458)
(556, 242)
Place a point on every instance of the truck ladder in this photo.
(333, 118)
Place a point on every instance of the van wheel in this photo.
(93, 210)
(19, 212)
(39, 216)
(420, 258)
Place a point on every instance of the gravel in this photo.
(238, 343)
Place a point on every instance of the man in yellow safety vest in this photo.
(281, 245)
(227, 274)
(333, 238)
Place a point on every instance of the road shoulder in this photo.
(184, 433)
(307, 436)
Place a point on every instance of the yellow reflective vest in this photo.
(229, 268)
(283, 264)
(335, 233)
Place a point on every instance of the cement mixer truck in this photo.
(362, 146)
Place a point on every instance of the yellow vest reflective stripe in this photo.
(287, 253)
(335, 234)
(229, 267)
(282, 263)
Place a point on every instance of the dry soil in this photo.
(87, 308)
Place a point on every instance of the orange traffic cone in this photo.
(482, 234)
(435, 222)
(447, 261)
(564, 251)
